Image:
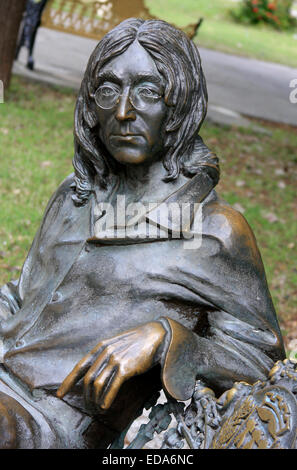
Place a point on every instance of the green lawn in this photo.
(259, 173)
(220, 32)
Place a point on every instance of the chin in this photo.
(131, 158)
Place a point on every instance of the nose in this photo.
(125, 110)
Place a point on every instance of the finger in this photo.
(111, 391)
(103, 381)
(86, 362)
(96, 369)
(106, 357)
(75, 375)
(78, 371)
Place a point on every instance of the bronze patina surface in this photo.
(140, 276)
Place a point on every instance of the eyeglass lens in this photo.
(106, 97)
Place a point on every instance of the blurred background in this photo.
(249, 55)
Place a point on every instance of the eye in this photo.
(107, 91)
(146, 92)
(106, 95)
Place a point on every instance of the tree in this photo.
(10, 17)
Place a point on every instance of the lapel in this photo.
(173, 217)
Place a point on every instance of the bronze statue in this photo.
(105, 314)
(258, 416)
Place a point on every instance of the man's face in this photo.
(130, 106)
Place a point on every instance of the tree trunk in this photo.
(10, 17)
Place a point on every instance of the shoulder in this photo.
(63, 193)
(61, 208)
(222, 221)
(219, 218)
(65, 188)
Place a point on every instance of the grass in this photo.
(259, 173)
(36, 152)
(220, 32)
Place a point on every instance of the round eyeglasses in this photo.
(140, 97)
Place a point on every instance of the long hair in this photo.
(178, 61)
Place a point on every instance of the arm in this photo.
(184, 357)
(12, 293)
(242, 340)
(34, 275)
(218, 360)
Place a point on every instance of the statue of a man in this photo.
(104, 315)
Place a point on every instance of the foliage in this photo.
(220, 32)
(274, 12)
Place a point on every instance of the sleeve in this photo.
(13, 293)
(242, 339)
(188, 357)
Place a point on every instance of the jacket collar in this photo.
(166, 215)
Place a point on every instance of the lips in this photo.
(128, 138)
(128, 134)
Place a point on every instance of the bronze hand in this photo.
(113, 361)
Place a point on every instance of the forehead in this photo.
(135, 61)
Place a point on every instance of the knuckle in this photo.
(97, 347)
(114, 359)
(109, 349)
(122, 371)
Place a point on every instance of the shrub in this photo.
(274, 12)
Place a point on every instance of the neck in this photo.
(139, 177)
(145, 182)
(140, 183)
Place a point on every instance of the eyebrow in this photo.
(149, 77)
(109, 75)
